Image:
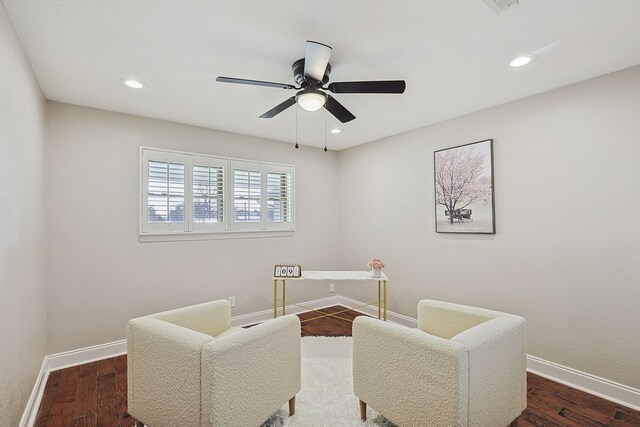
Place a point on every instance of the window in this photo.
(279, 196)
(247, 192)
(184, 193)
(208, 192)
(166, 192)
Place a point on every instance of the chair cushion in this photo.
(446, 320)
(210, 318)
(232, 330)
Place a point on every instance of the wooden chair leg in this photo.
(292, 406)
(363, 411)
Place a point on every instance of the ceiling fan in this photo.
(311, 73)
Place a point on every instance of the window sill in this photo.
(172, 237)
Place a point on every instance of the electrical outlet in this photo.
(232, 301)
(332, 287)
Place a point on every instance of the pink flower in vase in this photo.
(376, 264)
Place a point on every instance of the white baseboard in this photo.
(86, 355)
(31, 410)
(372, 310)
(54, 362)
(261, 316)
(601, 387)
(592, 384)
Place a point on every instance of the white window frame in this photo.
(228, 228)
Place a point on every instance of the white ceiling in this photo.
(453, 54)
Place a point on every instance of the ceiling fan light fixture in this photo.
(311, 99)
(311, 73)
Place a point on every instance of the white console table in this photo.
(334, 276)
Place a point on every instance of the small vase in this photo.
(376, 272)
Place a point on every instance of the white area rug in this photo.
(326, 398)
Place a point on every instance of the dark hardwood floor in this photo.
(95, 394)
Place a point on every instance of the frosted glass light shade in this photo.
(311, 100)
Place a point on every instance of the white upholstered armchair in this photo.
(189, 367)
(462, 366)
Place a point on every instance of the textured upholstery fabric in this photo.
(178, 376)
(447, 320)
(463, 366)
(412, 378)
(232, 330)
(210, 318)
(257, 371)
(164, 368)
(497, 370)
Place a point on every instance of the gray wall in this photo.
(100, 276)
(567, 250)
(22, 237)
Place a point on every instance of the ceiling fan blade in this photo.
(382, 86)
(338, 110)
(279, 108)
(254, 82)
(316, 59)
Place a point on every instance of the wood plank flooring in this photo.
(90, 395)
(95, 394)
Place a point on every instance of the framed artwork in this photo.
(463, 178)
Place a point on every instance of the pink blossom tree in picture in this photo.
(464, 189)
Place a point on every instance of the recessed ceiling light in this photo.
(335, 130)
(521, 61)
(133, 83)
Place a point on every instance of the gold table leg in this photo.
(385, 300)
(381, 302)
(275, 298)
(378, 299)
(284, 298)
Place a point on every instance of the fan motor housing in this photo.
(298, 74)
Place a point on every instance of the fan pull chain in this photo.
(297, 146)
(325, 131)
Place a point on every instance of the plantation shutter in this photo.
(208, 193)
(164, 201)
(247, 195)
(185, 193)
(279, 197)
